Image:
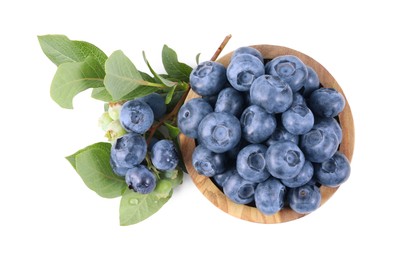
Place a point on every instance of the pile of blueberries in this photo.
(129, 152)
(267, 132)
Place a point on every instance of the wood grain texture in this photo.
(215, 195)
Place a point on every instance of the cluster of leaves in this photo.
(114, 79)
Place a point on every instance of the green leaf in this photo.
(173, 67)
(101, 94)
(146, 76)
(101, 145)
(175, 99)
(59, 49)
(123, 78)
(159, 78)
(140, 92)
(172, 130)
(135, 207)
(169, 95)
(73, 78)
(92, 165)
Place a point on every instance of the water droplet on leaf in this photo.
(133, 201)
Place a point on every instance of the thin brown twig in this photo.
(175, 110)
(221, 47)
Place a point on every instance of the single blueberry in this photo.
(271, 93)
(208, 78)
(156, 103)
(136, 116)
(304, 176)
(140, 179)
(319, 145)
(191, 114)
(284, 160)
(257, 124)
(247, 50)
(164, 155)
(251, 163)
(290, 69)
(326, 102)
(269, 196)
(207, 162)
(333, 172)
(219, 131)
(304, 199)
(128, 151)
(239, 190)
(298, 119)
(243, 70)
(231, 101)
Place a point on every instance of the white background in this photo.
(48, 213)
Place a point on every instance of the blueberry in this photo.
(136, 116)
(243, 70)
(239, 190)
(257, 124)
(231, 101)
(164, 155)
(128, 151)
(311, 83)
(207, 162)
(140, 179)
(219, 131)
(333, 172)
(271, 93)
(221, 178)
(319, 145)
(284, 160)
(247, 50)
(304, 176)
(120, 171)
(304, 199)
(330, 125)
(326, 102)
(156, 103)
(281, 134)
(290, 69)
(298, 119)
(208, 78)
(251, 163)
(269, 196)
(191, 114)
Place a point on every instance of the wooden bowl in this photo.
(218, 198)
